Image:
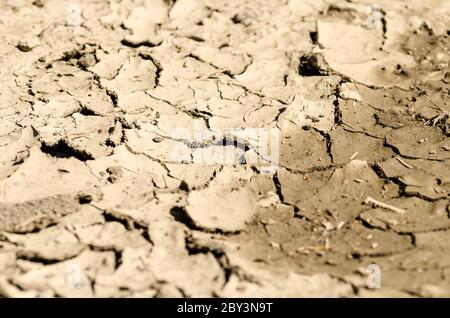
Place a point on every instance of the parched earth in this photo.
(92, 203)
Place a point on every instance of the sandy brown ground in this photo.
(92, 205)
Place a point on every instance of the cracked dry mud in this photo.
(88, 189)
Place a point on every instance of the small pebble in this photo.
(274, 244)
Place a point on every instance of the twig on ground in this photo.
(353, 156)
(371, 201)
(404, 163)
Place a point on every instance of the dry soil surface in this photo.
(92, 203)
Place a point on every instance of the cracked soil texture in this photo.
(89, 193)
